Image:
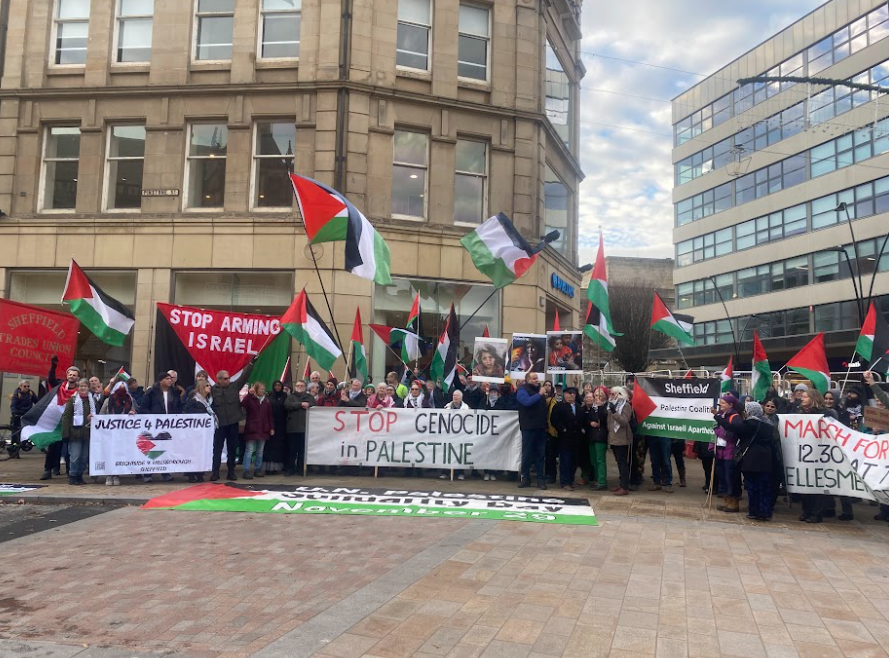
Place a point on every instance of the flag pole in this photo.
(487, 299)
(326, 300)
(848, 370)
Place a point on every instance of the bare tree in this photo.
(631, 316)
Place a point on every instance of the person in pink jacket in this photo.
(260, 425)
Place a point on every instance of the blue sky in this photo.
(629, 174)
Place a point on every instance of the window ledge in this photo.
(73, 69)
(289, 63)
(203, 211)
(415, 74)
(208, 65)
(130, 67)
(472, 83)
(467, 224)
(277, 211)
(409, 218)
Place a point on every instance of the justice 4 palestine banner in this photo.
(823, 456)
(428, 438)
(350, 501)
(151, 443)
(676, 408)
(189, 339)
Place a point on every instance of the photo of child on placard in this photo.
(489, 357)
(564, 354)
(528, 354)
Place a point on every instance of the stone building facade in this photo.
(150, 141)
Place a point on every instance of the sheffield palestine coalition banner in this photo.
(676, 408)
(153, 443)
(351, 501)
(30, 336)
(426, 438)
(823, 456)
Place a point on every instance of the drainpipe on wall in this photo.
(342, 104)
(4, 28)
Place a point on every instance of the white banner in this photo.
(425, 438)
(153, 443)
(823, 456)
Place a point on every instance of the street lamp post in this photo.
(859, 294)
(729, 318)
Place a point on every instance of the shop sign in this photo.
(558, 283)
(160, 192)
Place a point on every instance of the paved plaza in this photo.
(661, 576)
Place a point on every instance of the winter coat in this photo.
(260, 422)
(137, 395)
(153, 402)
(599, 415)
(507, 402)
(619, 432)
(332, 400)
(569, 424)
(880, 394)
(296, 415)
(408, 404)
(728, 426)
(532, 408)
(360, 400)
(474, 398)
(194, 406)
(227, 400)
(754, 450)
(279, 413)
(21, 402)
(69, 431)
(435, 399)
(376, 402)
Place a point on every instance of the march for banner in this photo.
(676, 408)
(823, 456)
(427, 438)
(151, 443)
(357, 501)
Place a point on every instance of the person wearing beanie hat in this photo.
(797, 401)
(728, 419)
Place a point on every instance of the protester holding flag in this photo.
(620, 436)
(297, 404)
(42, 424)
(227, 405)
(79, 411)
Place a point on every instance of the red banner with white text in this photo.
(30, 336)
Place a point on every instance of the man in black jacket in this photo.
(162, 398)
(473, 395)
(227, 406)
(532, 422)
(353, 396)
(568, 419)
(297, 405)
(434, 395)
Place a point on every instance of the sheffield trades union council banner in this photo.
(425, 438)
(676, 408)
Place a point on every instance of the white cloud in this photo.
(629, 175)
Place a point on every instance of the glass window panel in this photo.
(273, 188)
(275, 138)
(471, 156)
(60, 185)
(415, 11)
(209, 140)
(125, 179)
(215, 37)
(557, 205)
(281, 35)
(469, 199)
(410, 147)
(281, 5)
(134, 40)
(136, 7)
(127, 142)
(473, 20)
(412, 46)
(408, 190)
(216, 5)
(71, 43)
(68, 9)
(63, 142)
(797, 321)
(473, 58)
(206, 183)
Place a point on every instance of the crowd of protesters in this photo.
(566, 432)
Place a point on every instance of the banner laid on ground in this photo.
(676, 408)
(189, 339)
(823, 456)
(425, 438)
(7, 489)
(153, 443)
(30, 336)
(355, 501)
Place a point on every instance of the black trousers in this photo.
(813, 504)
(677, 449)
(706, 458)
(582, 459)
(53, 458)
(621, 456)
(552, 453)
(295, 452)
(227, 436)
(637, 468)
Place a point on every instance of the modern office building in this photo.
(151, 141)
(772, 179)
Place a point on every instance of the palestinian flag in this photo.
(879, 360)
(596, 330)
(106, 317)
(272, 361)
(403, 342)
(689, 374)
(761, 378)
(498, 250)
(556, 325)
(486, 333)
(667, 323)
(865, 344)
(413, 320)
(303, 323)
(307, 371)
(811, 363)
(330, 217)
(444, 361)
(597, 291)
(675, 408)
(726, 377)
(43, 423)
(358, 362)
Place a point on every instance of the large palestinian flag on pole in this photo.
(811, 363)
(43, 422)
(498, 250)
(597, 293)
(761, 378)
(403, 342)
(664, 321)
(675, 408)
(444, 361)
(596, 329)
(727, 377)
(865, 344)
(358, 362)
(106, 317)
(303, 323)
(330, 217)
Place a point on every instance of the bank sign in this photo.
(558, 283)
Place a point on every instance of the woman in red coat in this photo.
(259, 427)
